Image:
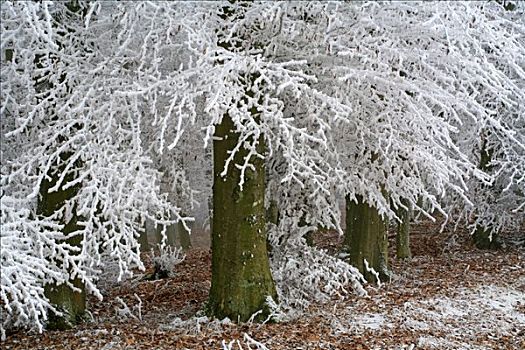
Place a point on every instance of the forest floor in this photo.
(448, 296)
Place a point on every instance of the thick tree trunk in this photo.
(366, 238)
(241, 278)
(403, 232)
(69, 303)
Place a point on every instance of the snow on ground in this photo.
(461, 298)
(443, 300)
(487, 311)
(458, 321)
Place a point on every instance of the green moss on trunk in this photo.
(366, 238)
(403, 232)
(241, 278)
(71, 304)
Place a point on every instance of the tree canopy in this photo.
(391, 102)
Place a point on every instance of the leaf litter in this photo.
(448, 296)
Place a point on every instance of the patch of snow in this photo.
(348, 322)
(445, 307)
(472, 313)
(486, 309)
(371, 321)
(197, 324)
(416, 325)
(502, 299)
(430, 342)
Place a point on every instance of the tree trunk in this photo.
(483, 240)
(143, 241)
(241, 277)
(403, 232)
(485, 237)
(184, 236)
(155, 231)
(210, 215)
(272, 214)
(366, 238)
(70, 304)
(171, 235)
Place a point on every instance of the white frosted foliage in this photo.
(120, 100)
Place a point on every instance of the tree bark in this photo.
(155, 231)
(272, 214)
(366, 238)
(210, 214)
(184, 236)
(241, 277)
(486, 237)
(483, 240)
(403, 232)
(171, 235)
(143, 241)
(70, 304)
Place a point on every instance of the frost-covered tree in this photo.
(414, 74)
(495, 140)
(77, 128)
(406, 74)
(363, 101)
(127, 76)
(246, 82)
